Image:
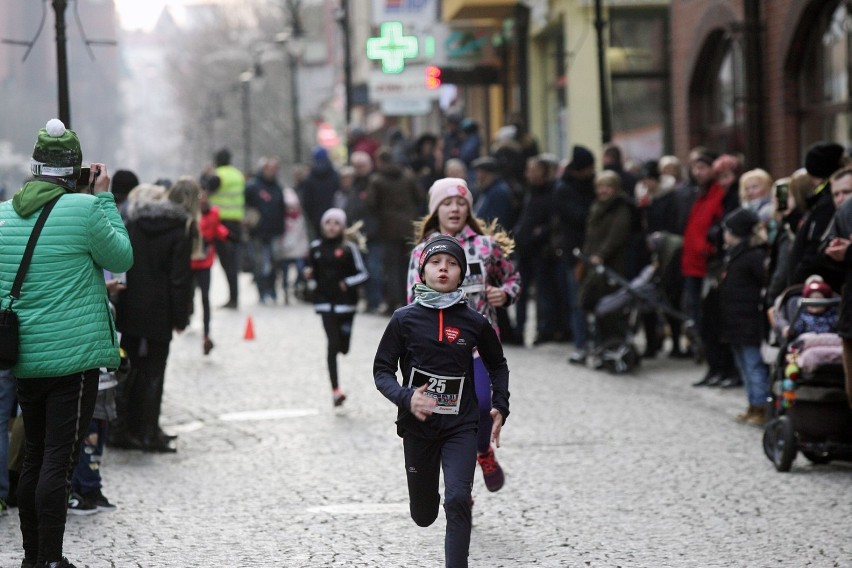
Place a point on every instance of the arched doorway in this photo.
(717, 95)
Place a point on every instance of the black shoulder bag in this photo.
(9, 335)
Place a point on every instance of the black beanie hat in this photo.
(706, 156)
(123, 181)
(740, 222)
(581, 158)
(823, 159)
(651, 169)
(447, 245)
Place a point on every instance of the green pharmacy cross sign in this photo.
(392, 47)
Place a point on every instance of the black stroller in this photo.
(809, 411)
(618, 316)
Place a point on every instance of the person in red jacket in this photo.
(212, 230)
(706, 212)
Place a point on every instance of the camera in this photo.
(83, 178)
(781, 192)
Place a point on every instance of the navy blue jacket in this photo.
(267, 197)
(495, 202)
(334, 261)
(440, 342)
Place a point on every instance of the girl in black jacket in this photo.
(740, 305)
(336, 265)
(432, 342)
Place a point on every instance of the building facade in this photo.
(761, 78)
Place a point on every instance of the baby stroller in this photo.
(809, 411)
(618, 316)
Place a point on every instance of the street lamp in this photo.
(343, 18)
(62, 62)
(606, 120)
(245, 84)
(294, 47)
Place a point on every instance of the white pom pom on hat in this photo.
(55, 127)
(57, 152)
(448, 187)
(335, 213)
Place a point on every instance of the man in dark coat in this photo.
(357, 210)
(821, 160)
(574, 198)
(536, 254)
(318, 189)
(837, 248)
(495, 197)
(392, 196)
(265, 211)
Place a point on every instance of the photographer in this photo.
(66, 331)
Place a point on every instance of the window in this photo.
(717, 96)
(824, 78)
(639, 74)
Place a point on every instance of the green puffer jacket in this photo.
(65, 321)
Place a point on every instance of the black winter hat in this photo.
(823, 159)
(651, 169)
(447, 245)
(740, 222)
(705, 156)
(581, 158)
(123, 181)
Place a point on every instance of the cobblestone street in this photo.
(601, 470)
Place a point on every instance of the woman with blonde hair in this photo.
(755, 188)
(205, 228)
(491, 282)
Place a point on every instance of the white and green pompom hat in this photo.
(57, 151)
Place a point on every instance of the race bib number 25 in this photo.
(446, 391)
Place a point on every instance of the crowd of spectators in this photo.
(707, 211)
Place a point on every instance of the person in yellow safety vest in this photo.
(227, 192)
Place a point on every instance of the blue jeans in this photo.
(87, 474)
(754, 372)
(7, 401)
(264, 269)
(579, 326)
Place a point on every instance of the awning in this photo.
(477, 9)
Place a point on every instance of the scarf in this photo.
(426, 296)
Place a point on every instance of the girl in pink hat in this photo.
(491, 281)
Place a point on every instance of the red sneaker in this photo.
(492, 473)
(338, 397)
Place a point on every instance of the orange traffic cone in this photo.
(249, 334)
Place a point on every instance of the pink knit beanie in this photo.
(448, 187)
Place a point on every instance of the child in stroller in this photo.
(808, 406)
(618, 315)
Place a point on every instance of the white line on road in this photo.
(269, 414)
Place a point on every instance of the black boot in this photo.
(12, 499)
